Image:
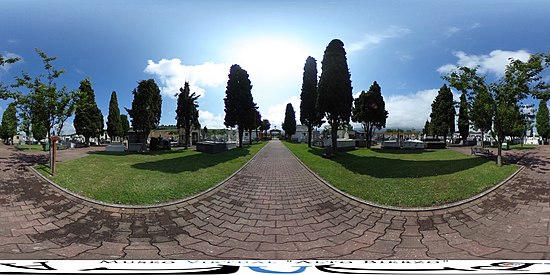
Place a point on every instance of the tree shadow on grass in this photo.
(380, 167)
(191, 163)
(399, 151)
(148, 153)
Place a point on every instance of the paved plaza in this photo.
(273, 208)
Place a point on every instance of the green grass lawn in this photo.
(405, 178)
(29, 147)
(148, 178)
(524, 147)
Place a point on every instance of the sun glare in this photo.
(271, 57)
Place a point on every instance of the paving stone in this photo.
(71, 250)
(264, 213)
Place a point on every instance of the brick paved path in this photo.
(273, 209)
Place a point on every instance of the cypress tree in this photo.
(88, 120)
(8, 128)
(125, 125)
(146, 109)
(443, 113)
(309, 113)
(239, 104)
(463, 119)
(543, 123)
(289, 126)
(335, 97)
(114, 124)
(187, 113)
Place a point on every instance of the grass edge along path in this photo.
(405, 178)
(148, 178)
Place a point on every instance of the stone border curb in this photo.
(414, 209)
(128, 206)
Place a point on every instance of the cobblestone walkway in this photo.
(273, 209)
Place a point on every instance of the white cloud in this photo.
(377, 38)
(451, 31)
(495, 62)
(210, 120)
(172, 74)
(276, 114)
(411, 110)
(454, 29)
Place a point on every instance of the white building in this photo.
(301, 134)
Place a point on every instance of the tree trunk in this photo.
(482, 139)
(309, 130)
(368, 133)
(187, 129)
(241, 131)
(250, 137)
(334, 136)
(144, 142)
(499, 155)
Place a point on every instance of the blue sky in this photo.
(406, 46)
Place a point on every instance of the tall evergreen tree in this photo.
(443, 113)
(426, 130)
(289, 126)
(370, 111)
(125, 125)
(543, 120)
(239, 104)
(309, 113)
(146, 109)
(463, 119)
(335, 97)
(187, 113)
(8, 128)
(114, 124)
(88, 120)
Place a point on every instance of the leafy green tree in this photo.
(239, 104)
(370, 111)
(309, 113)
(543, 120)
(146, 109)
(8, 128)
(48, 103)
(473, 86)
(508, 94)
(443, 113)
(289, 126)
(187, 113)
(88, 120)
(335, 97)
(38, 129)
(463, 119)
(114, 124)
(125, 125)
(4, 91)
(265, 126)
(482, 111)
